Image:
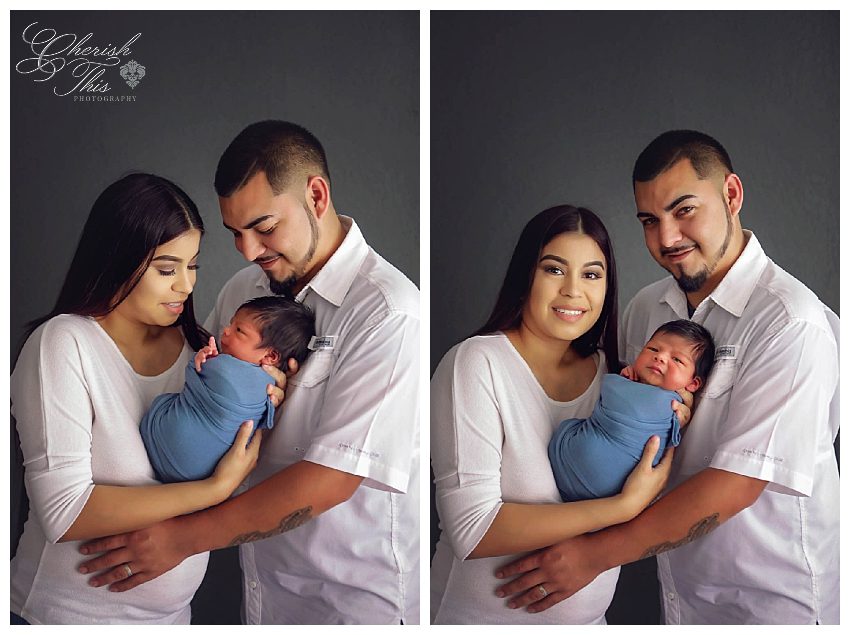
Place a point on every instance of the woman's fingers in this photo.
(649, 451)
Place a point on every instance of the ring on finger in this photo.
(128, 570)
(542, 590)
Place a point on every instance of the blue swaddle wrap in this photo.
(591, 458)
(186, 433)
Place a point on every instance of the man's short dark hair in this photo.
(284, 324)
(699, 337)
(705, 154)
(284, 151)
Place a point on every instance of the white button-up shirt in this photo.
(769, 411)
(354, 407)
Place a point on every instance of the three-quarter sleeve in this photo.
(466, 446)
(53, 413)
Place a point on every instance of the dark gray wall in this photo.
(352, 78)
(530, 110)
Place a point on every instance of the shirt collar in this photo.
(734, 291)
(335, 278)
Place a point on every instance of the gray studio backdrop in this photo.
(351, 78)
(530, 110)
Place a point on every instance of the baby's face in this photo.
(667, 361)
(241, 339)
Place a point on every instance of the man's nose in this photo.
(669, 234)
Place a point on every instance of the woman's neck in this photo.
(542, 352)
(130, 333)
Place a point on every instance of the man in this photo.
(748, 530)
(348, 428)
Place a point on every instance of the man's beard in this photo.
(286, 286)
(691, 283)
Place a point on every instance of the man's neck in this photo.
(695, 298)
(331, 235)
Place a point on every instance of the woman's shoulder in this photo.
(477, 348)
(64, 330)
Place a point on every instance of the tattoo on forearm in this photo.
(295, 519)
(700, 529)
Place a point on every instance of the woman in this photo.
(496, 399)
(121, 333)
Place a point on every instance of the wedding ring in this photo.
(130, 571)
(543, 591)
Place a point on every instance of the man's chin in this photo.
(282, 287)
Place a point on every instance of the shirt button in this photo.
(252, 584)
(671, 596)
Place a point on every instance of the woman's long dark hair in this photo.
(540, 230)
(129, 220)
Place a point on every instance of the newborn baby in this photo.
(591, 458)
(186, 433)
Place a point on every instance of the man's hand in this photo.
(276, 391)
(207, 352)
(683, 410)
(562, 570)
(136, 557)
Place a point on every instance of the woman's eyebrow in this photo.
(168, 258)
(598, 263)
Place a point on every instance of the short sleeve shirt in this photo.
(768, 411)
(353, 406)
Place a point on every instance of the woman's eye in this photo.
(554, 270)
(167, 272)
(593, 275)
(268, 231)
(194, 267)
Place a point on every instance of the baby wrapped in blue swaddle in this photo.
(187, 433)
(593, 457)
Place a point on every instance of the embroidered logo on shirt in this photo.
(729, 351)
(322, 343)
(761, 455)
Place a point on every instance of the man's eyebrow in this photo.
(168, 258)
(679, 200)
(250, 225)
(564, 262)
(668, 208)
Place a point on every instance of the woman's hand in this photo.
(238, 462)
(208, 351)
(646, 482)
(683, 410)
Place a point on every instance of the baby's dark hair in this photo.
(699, 337)
(284, 324)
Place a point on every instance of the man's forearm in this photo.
(686, 513)
(284, 501)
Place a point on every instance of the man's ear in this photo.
(272, 358)
(695, 384)
(733, 191)
(318, 195)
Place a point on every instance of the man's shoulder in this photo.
(380, 289)
(245, 279)
(781, 295)
(653, 292)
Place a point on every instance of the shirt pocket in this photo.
(721, 379)
(315, 370)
